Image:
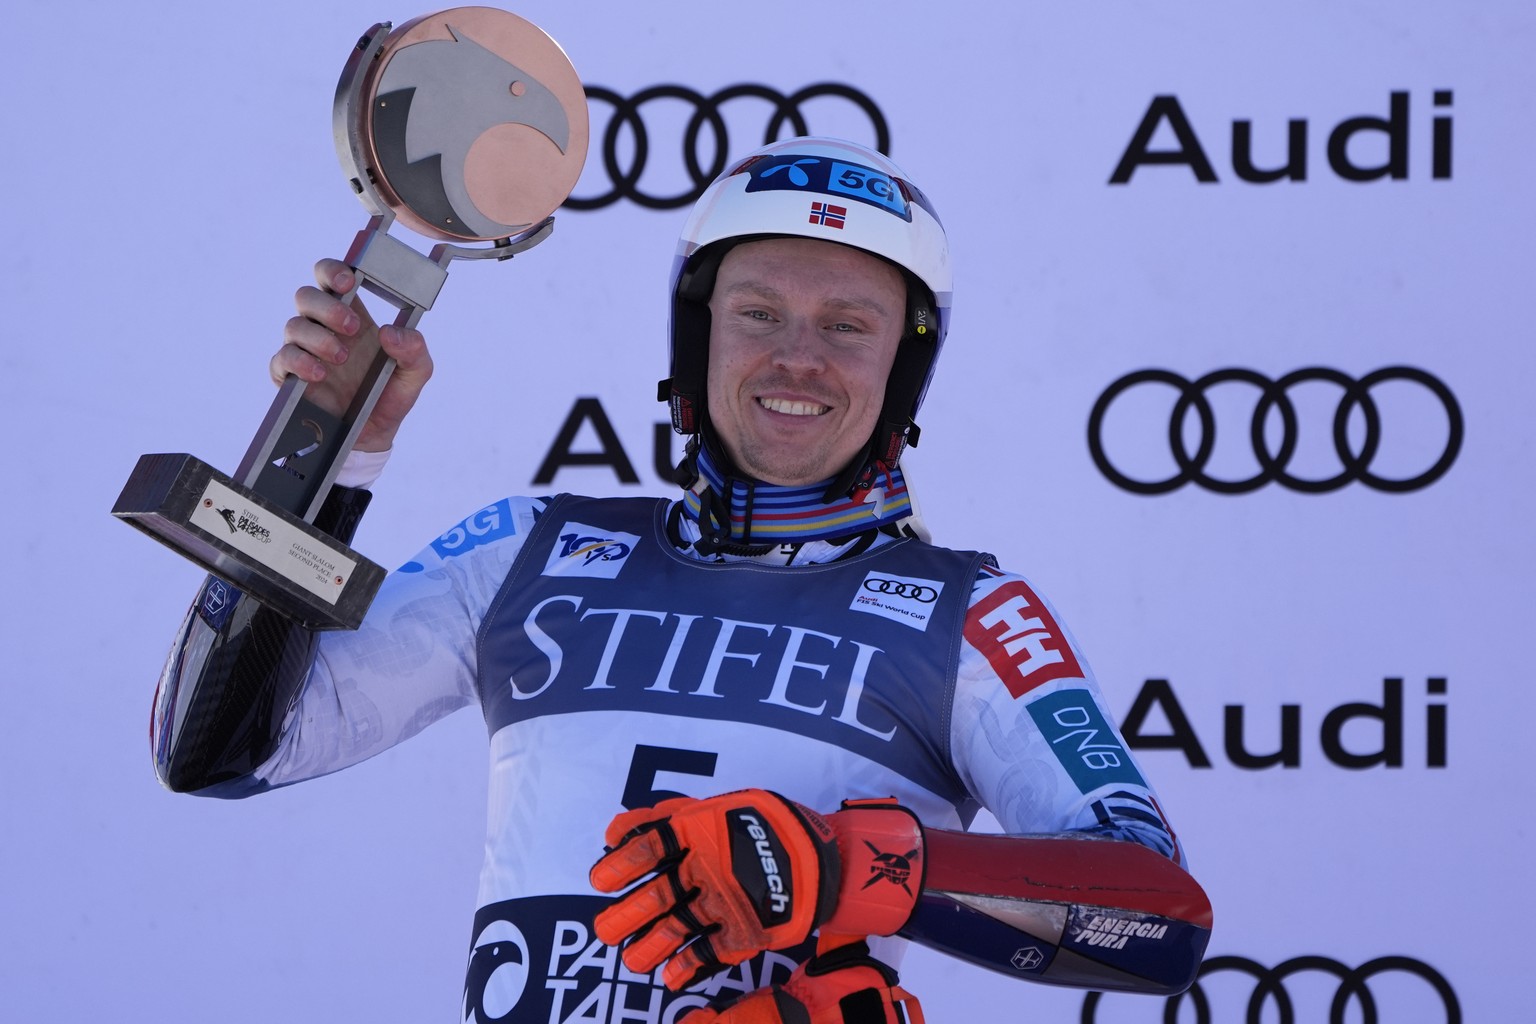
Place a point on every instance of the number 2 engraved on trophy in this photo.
(283, 461)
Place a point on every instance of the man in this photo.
(840, 695)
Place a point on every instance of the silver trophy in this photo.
(468, 125)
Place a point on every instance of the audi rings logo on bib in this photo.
(902, 599)
(1313, 430)
(1386, 989)
(663, 146)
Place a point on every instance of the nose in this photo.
(799, 348)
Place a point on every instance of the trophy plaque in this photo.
(468, 125)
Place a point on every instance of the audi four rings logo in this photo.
(624, 165)
(1273, 463)
(896, 588)
(1354, 986)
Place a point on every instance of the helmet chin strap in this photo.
(874, 464)
(857, 471)
(703, 501)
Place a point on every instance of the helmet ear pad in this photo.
(684, 391)
(915, 355)
(896, 428)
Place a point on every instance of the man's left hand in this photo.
(749, 871)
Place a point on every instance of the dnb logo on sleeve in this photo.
(1087, 747)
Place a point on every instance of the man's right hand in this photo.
(330, 345)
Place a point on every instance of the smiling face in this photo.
(802, 337)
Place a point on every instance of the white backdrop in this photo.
(170, 177)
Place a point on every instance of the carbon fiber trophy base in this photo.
(243, 538)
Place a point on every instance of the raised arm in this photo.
(236, 666)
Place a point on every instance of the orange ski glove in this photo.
(749, 871)
(844, 986)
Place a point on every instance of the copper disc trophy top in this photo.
(469, 124)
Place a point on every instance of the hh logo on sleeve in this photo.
(1013, 630)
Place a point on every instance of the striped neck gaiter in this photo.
(762, 514)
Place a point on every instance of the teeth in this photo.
(792, 408)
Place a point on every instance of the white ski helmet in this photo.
(833, 191)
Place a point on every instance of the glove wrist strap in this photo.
(880, 844)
